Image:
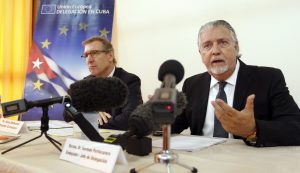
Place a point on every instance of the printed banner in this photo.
(54, 62)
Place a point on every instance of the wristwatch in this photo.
(251, 139)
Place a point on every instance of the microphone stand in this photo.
(44, 129)
(166, 156)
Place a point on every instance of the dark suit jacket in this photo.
(276, 113)
(119, 120)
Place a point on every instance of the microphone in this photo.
(94, 94)
(141, 123)
(83, 124)
(164, 101)
(87, 95)
(170, 73)
(22, 105)
(98, 94)
(143, 120)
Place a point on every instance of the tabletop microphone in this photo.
(93, 94)
(164, 101)
(22, 105)
(98, 94)
(141, 124)
(83, 123)
(141, 121)
(87, 95)
(170, 73)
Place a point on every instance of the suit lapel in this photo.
(203, 99)
(117, 72)
(205, 91)
(244, 80)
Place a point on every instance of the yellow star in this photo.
(104, 32)
(45, 44)
(37, 85)
(63, 30)
(83, 26)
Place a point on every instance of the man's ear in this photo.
(111, 56)
(237, 47)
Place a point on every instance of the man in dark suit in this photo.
(257, 106)
(100, 59)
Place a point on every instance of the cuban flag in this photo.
(54, 61)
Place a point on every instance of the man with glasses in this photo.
(100, 59)
(233, 99)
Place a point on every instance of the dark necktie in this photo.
(218, 129)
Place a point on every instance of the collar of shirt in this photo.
(112, 72)
(231, 80)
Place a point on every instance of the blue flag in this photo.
(54, 62)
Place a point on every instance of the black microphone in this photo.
(94, 94)
(141, 123)
(83, 124)
(88, 95)
(164, 101)
(170, 73)
(22, 105)
(98, 94)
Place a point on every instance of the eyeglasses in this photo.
(93, 53)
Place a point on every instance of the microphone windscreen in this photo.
(181, 103)
(141, 121)
(171, 67)
(98, 94)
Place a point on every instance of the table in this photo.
(233, 156)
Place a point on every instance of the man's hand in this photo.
(241, 123)
(103, 117)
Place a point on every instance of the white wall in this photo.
(148, 32)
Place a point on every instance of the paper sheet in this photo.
(61, 132)
(56, 127)
(189, 143)
(53, 124)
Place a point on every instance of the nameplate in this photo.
(95, 155)
(12, 126)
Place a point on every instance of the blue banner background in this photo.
(54, 62)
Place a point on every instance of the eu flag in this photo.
(54, 62)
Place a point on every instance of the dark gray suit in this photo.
(119, 120)
(276, 113)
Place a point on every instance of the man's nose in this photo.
(89, 57)
(215, 49)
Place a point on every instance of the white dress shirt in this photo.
(112, 72)
(208, 128)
